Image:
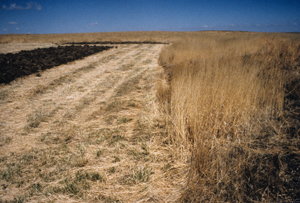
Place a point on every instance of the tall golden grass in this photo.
(233, 99)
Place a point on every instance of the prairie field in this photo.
(209, 117)
(233, 101)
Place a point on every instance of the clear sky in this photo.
(74, 16)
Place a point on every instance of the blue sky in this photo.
(75, 16)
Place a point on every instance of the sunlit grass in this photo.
(227, 101)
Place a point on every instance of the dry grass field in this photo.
(93, 37)
(234, 100)
(212, 117)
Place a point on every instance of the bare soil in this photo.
(89, 130)
(27, 62)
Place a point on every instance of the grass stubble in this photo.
(88, 135)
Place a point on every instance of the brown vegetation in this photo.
(91, 37)
(88, 131)
(221, 123)
(233, 100)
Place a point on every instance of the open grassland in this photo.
(233, 99)
(92, 37)
(141, 36)
(217, 120)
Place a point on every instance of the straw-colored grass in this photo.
(91, 130)
(90, 37)
(233, 99)
(88, 131)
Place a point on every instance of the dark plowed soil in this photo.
(125, 42)
(24, 63)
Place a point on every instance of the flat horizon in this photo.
(62, 17)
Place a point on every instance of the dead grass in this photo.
(128, 86)
(3, 95)
(89, 37)
(90, 133)
(36, 118)
(228, 102)
(135, 176)
(64, 79)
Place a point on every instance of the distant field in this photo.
(91, 37)
(211, 117)
(155, 36)
(11, 47)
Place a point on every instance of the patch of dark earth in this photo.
(110, 42)
(24, 63)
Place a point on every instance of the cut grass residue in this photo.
(42, 89)
(84, 102)
(45, 167)
(35, 118)
(3, 95)
(87, 68)
(41, 114)
(74, 156)
(123, 120)
(126, 67)
(109, 81)
(128, 86)
(80, 161)
(139, 155)
(141, 174)
(147, 61)
(77, 185)
(109, 58)
(70, 77)
(117, 105)
(99, 152)
(112, 169)
(116, 159)
(115, 138)
(5, 140)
